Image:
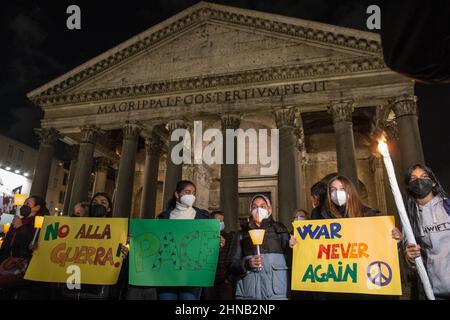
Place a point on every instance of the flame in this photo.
(382, 146)
(38, 221)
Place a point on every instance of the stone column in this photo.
(302, 199)
(48, 138)
(410, 144)
(125, 179)
(345, 144)
(377, 168)
(288, 192)
(73, 151)
(101, 174)
(229, 175)
(153, 151)
(174, 171)
(82, 178)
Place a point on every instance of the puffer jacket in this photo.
(270, 283)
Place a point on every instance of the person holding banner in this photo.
(100, 206)
(181, 206)
(343, 201)
(263, 276)
(428, 208)
(16, 253)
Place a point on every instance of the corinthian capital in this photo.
(47, 136)
(404, 105)
(285, 117)
(89, 134)
(153, 145)
(172, 125)
(341, 111)
(230, 121)
(131, 130)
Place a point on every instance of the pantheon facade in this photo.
(326, 88)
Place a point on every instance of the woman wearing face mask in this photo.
(181, 206)
(428, 208)
(264, 276)
(343, 201)
(21, 232)
(100, 207)
(16, 246)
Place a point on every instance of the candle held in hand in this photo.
(407, 229)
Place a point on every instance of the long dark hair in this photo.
(411, 202)
(171, 204)
(354, 206)
(103, 194)
(39, 201)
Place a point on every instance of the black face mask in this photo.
(25, 211)
(98, 211)
(420, 188)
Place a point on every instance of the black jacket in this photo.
(224, 261)
(367, 212)
(17, 241)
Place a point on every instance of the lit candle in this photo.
(383, 148)
(6, 228)
(38, 221)
(257, 236)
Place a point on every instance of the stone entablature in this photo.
(321, 34)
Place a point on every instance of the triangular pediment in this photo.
(210, 40)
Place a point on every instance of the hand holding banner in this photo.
(173, 252)
(89, 243)
(354, 255)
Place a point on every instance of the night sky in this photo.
(37, 47)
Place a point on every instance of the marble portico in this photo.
(326, 89)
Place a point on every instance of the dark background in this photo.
(37, 47)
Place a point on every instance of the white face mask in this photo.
(188, 200)
(339, 197)
(222, 226)
(262, 213)
(300, 218)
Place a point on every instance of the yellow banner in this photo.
(354, 255)
(87, 248)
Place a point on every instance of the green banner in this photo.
(173, 252)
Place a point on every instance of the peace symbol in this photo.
(379, 273)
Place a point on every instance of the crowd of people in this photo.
(241, 273)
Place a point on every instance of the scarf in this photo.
(182, 212)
